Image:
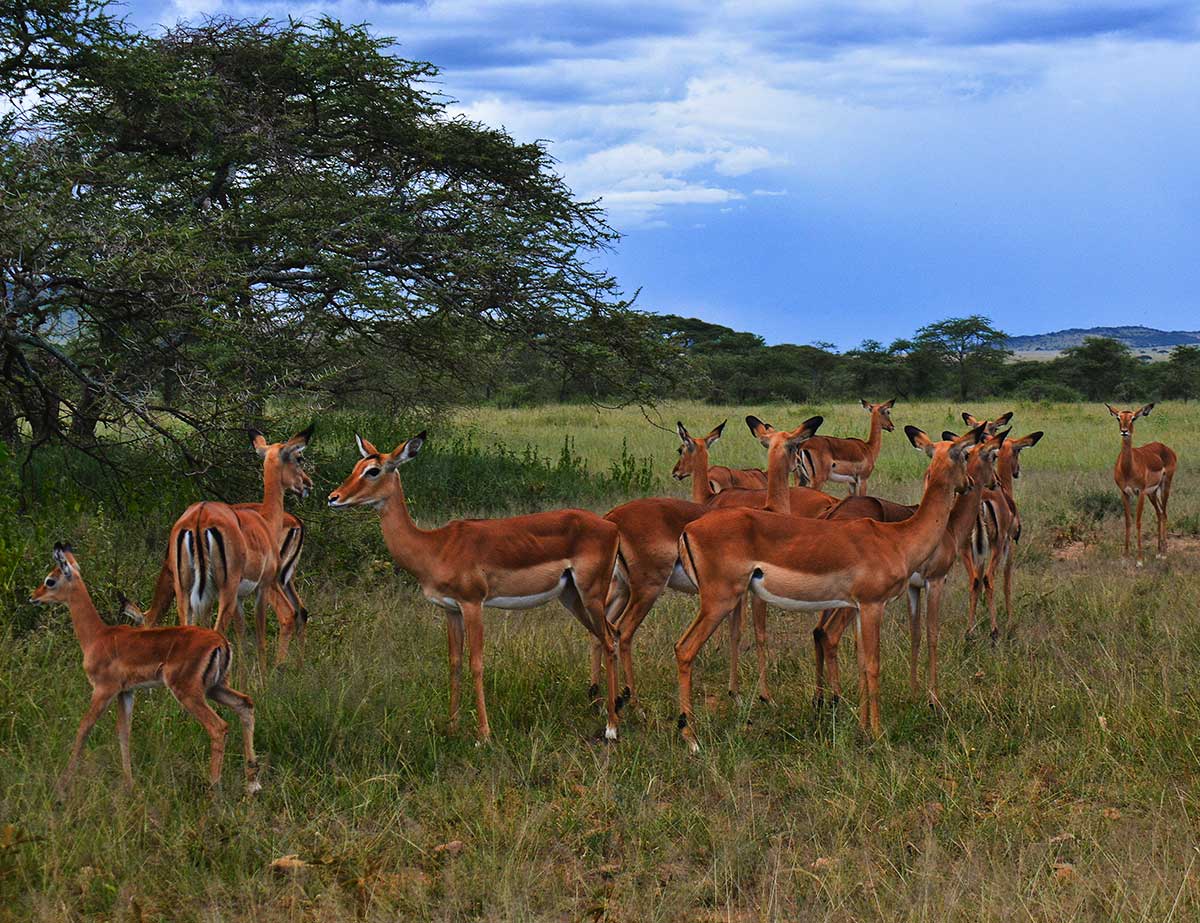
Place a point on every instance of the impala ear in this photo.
(715, 434)
(948, 436)
(866, 404)
(1026, 441)
(682, 431)
(63, 557)
(920, 440)
(760, 430)
(804, 431)
(969, 420)
(405, 452)
(1144, 412)
(298, 443)
(1115, 413)
(365, 449)
(258, 440)
(127, 607)
(1000, 437)
(1003, 418)
(888, 405)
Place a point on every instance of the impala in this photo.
(849, 461)
(1146, 471)
(930, 575)
(515, 563)
(990, 426)
(815, 564)
(119, 659)
(222, 553)
(291, 543)
(996, 534)
(650, 530)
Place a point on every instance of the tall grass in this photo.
(1060, 783)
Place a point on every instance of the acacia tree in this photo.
(196, 220)
(969, 347)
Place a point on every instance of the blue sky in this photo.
(847, 169)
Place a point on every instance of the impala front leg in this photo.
(870, 617)
(758, 609)
(1141, 503)
(100, 700)
(1128, 517)
(124, 720)
(735, 644)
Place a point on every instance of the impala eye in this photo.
(371, 472)
(50, 581)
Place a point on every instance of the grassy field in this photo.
(1060, 782)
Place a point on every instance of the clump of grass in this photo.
(1098, 504)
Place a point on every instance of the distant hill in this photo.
(1137, 338)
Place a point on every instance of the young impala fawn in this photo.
(650, 530)
(816, 564)
(515, 563)
(849, 461)
(119, 659)
(220, 553)
(1146, 471)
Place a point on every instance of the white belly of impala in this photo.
(680, 581)
(528, 602)
(785, 602)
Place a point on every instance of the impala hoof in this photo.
(253, 787)
(610, 732)
(593, 691)
(995, 636)
(1140, 563)
(766, 699)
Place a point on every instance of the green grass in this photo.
(1061, 782)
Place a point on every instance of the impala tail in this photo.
(198, 552)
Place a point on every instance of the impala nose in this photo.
(333, 499)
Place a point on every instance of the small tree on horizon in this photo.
(968, 346)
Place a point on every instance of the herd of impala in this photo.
(744, 534)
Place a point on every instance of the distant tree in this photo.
(970, 347)
(1100, 368)
(1181, 373)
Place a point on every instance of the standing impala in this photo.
(1146, 471)
(650, 530)
(994, 541)
(849, 461)
(291, 543)
(929, 576)
(815, 564)
(119, 659)
(515, 563)
(221, 553)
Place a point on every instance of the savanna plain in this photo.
(1059, 782)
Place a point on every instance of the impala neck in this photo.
(1126, 457)
(84, 618)
(920, 534)
(965, 512)
(406, 542)
(779, 497)
(875, 436)
(1004, 473)
(272, 502)
(702, 491)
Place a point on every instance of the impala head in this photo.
(371, 481)
(777, 441)
(59, 583)
(1125, 418)
(948, 458)
(1011, 453)
(884, 411)
(693, 452)
(981, 458)
(991, 426)
(287, 455)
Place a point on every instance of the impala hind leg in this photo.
(914, 638)
(933, 614)
(713, 608)
(472, 613)
(584, 596)
(124, 720)
(639, 606)
(826, 638)
(1164, 495)
(735, 644)
(243, 706)
(1140, 505)
(758, 610)
(1128, 518)
(454, 635)
(616, 610)
(194, 701)
(287, 617)
(100, 700)
(870, 618)
(989, 582)
(1159, 522)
